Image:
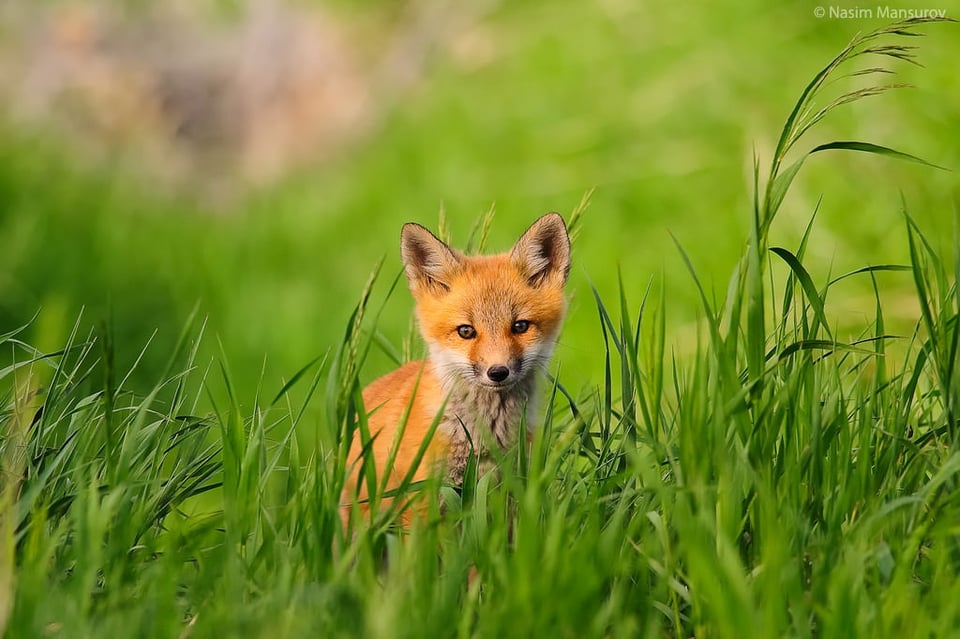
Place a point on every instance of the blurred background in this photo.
(255, 159)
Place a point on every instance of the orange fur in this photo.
(490, 323)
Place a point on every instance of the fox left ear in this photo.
(428, 262)
(543, 253)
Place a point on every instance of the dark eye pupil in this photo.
(521, 326)
(466, 331)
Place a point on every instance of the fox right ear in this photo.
(428, 262)
(543, 253)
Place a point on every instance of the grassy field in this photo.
(747, 443)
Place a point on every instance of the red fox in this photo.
(491, 323)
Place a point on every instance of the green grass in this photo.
(773, 480)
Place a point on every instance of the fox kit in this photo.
(491, 323)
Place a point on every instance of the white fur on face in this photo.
(453, 368)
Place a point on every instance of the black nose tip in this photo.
(498, 373)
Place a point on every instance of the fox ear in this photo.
(543, 253)
(428, 262)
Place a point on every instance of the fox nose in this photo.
(498, 373)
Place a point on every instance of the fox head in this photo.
(489, 320)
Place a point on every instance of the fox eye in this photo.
(466, 331)
(519, 327)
